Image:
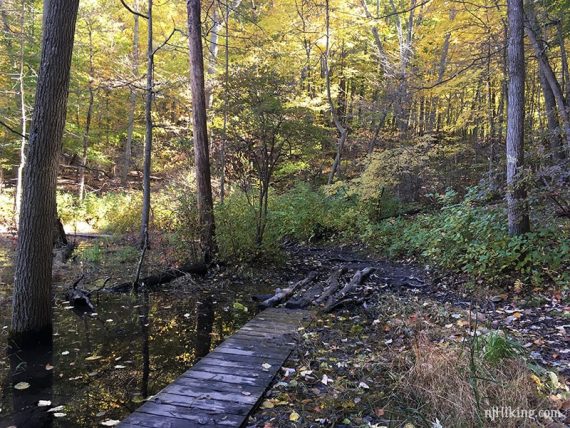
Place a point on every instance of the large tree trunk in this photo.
(23, 115)
(148, 132)
(201, 152)
(32, 302)
(517, 206)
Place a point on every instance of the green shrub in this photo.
(235, 231)
(473, 239)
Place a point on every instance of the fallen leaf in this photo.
(49, 367)
(326, 380)
(363, 385)
(93, 358)
(294, 417)
(110, 423)
(267, 404)
(44, 403)
(22, 385)
(266, 366)
(55, 409)
(59, 415)
(379, 412)
(65, 353)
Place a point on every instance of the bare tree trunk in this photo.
(214, 45)
(517, 205)
(148, 132)
(531, 31)
(226, 104)
(91, 90)
(132, 100)
(201, 153)
(32, 301)
(343, 132)
(24, 116)
(556, 146)
(563, 61)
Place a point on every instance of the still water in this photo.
(102, 366)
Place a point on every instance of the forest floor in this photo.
(404, 357)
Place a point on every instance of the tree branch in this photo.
(134, 12)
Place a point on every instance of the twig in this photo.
(9, 128)
(76, 283)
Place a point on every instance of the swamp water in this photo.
(102, 366)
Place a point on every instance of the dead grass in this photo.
(446, 382)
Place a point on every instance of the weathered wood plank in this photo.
(205, 387)
(191, 414)
(224, 387)
(234, 396)
(208, 406)
(150, 421)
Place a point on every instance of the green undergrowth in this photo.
(461, 234)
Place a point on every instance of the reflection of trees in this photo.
(28, 364)
(143, 317)
(204, 325)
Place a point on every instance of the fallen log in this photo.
(306, 299)
(282, 295)
(334, 285)
(162, 277)
(78, 298)
(356, 280)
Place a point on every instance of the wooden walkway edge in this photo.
(225, 386)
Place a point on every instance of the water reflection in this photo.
(204, 325)
(103, 365)
(31, 380)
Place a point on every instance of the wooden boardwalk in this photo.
(224, 387)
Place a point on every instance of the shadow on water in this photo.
(101, 366)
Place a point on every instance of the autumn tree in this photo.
(32, 301)
(199, 120)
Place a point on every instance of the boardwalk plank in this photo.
(224, 387)
(191, 414)
(209, 406)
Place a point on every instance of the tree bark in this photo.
(517, 205)
(199, 119)
(148, 131)
(32, 301)
(132, 100)
(24, 116)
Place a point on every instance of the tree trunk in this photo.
(517, 205)
(533, 34)
(201, 153)
(148, 132)
(343, 132)
(563, 61)
(556, 146)
(87, 119)
(132, 101)
(24, 117)
(32, 301)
